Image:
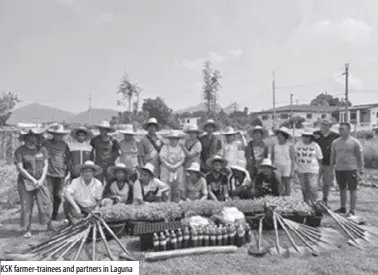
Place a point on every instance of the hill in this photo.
(93, 116)
(202, 107)
(38, 113)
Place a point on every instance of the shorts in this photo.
(347, 179)
(284, 170)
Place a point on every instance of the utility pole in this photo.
(346, 118)
(291, 113)
(90, 110)
(274, 100)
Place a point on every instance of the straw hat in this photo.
(175, 135)
(105, 125)
(240, 166)
(119, 166)
(267, 163)
(284, 130)
(265, 132)
(308, 132)
(32, 131)
(195, 167)
(149, 167)
(151, 121)
(58, 130)
(229, 131)
(83, 129)
(91, 165)
(192, 128)
(210, 122)
(210, 161)
(127, 130)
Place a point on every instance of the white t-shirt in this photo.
(307, 156)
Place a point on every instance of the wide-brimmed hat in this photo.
(91, 165)
(210, 122)
(149, 167)
(119, 166)
(308, 132)
(192, 128)
(195, 167)
(105, 125)
(174, 134)
(240, 166)
(58, 130)
(83, 129)
(31, 131)
(210, 161)
(128, 129)
(265, 132)
(267, 163)
(151, 121)
(283, 130)
(229, 131)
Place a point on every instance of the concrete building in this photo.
(362, 117)
(189, 121)
(310, 113)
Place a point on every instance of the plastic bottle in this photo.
(200, 237)
(179, 238)
(155, 241)
(213, 237)
(233, 234)
(224, 236)
(229, 235)
(168, 240)
(248, 233)
(240, 236)
(162, 242)
(194, 238)
(186, 237)
(173, 240)
(206, 237)
(219, 236)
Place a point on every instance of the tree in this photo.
(325, 99)
(295, 121)
(158, 109)
(128, 90)
(7, 103)
(211, 86)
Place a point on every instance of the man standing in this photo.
(348, 161)
(211, 145)
(324, 139)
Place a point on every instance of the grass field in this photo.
(347, 260)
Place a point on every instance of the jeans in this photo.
(309, 185)
(55, 186)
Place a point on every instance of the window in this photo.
(309, 116)
(284, 116)
(324, 115)
(265, 117)
(353, 116)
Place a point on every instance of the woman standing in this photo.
(232, 147)
(283, 158)
(32, 164)
(308, 160)
(172, 158)
(192, 146)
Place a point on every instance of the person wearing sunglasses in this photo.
(348, 161)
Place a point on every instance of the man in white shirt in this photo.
(84, 193)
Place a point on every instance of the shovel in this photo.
(277, 250)
(258, 250)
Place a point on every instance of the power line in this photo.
(310, 83)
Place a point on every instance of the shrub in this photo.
(370, 153)
(364, 135)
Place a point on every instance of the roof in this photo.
(363, 106)
(302, 108)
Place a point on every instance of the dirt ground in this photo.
(347, 260)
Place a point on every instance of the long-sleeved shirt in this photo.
(347, 154)
(59, 158)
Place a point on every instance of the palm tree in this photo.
(128, 90)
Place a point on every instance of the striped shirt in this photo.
(59, 155)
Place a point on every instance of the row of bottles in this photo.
(202, 236)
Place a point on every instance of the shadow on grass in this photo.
(8, 233)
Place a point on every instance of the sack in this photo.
(196, 221)
(229, 215)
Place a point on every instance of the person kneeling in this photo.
(84, 193)
(239, 181)
(120, 187)
(196, 188)
(267, 182)
(216, 180)
(149, 188)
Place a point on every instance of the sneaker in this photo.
(341, 210)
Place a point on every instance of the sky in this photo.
(57, 52)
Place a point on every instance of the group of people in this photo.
(193, 164)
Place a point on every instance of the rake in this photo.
(277, 250)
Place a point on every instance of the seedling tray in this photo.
(139, 228)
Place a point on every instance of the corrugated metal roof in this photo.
(363, 106)
(302, 108)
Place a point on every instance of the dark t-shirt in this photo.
(210, 148)
(106, 152)
(32, 160)
(216, 185)
(267, 185)
(325, 144)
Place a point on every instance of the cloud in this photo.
(215, 58)
(66, 2)
(105, 18)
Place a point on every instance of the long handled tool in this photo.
(277, 250)
(82, 243)
(259, 250)
(103, 237)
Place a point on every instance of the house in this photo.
(311, 113)
(189, 121)
(362, 117)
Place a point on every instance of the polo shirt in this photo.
(83, 194)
